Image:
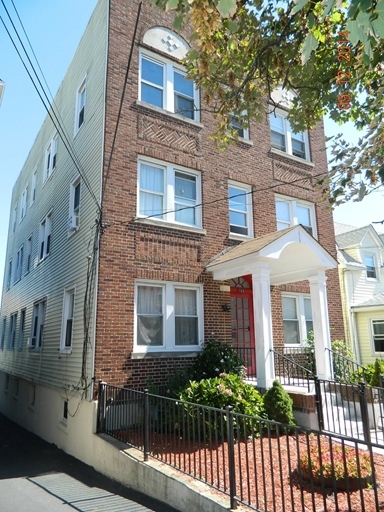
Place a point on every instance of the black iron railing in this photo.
(290, 372)
(265, 465)
(344, 368)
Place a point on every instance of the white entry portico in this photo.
(282, 257)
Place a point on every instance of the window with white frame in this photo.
(45, 236)
(21, 330)
(51, 157)
(19, 264)
(80, 107)
(67, 322)
(290, 212)
(164, 84)
(23, 204)
(240, 209)
(378, 335)
(12, 331)
(370, 264)
(168, 316)
(74, 206)
(236, 125)
(283, 138)
(38, 316)
(297, 318)
(28, 254)
(14, 219)
(169, 193)
(9, 274)
(3, 333)
(33, 188)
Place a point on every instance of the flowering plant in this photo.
(334, 460)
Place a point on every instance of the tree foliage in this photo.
(330, 52)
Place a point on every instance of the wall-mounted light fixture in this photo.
(226, 308)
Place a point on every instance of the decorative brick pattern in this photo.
(289, 174)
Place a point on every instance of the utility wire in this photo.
(56, 122)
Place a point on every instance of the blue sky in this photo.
(54, 29)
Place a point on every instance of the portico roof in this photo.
(292, 255)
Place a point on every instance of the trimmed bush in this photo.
(279, 405)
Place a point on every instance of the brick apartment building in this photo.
(144, 239)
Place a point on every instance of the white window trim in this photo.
(68, 291)
(4, 328)
(247, 189)
(33, 188)
(28, 255)
(19, 264)
(74, 213)
(23, 204)
(12, 331)
(9, 275)
(81, 88)
(169, 197)
(303, 334)
(38, 311)
(50, 161)
(293, 202)
(20, 338)
(168, 294)
(288, 138)
(168, 88)
(14, 219)
(371, 321)
(44, 234)
(375, 260)
(245, 135)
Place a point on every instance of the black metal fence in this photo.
(295, 367)
(264, 465)
(344, 368)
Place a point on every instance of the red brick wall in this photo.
(129, 250)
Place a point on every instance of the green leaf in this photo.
(299, 5)
(172, 4)
(378, 24)
(354, 31)
(232, 26)
(310, 44)
(226, 8)
(311, 20)
(328, 6)
(178, 22)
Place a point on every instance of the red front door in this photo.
(243, 338)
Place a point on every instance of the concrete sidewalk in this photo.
(36, 476)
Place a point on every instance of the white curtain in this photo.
(186, 321)
(150, 315)
(151, 190)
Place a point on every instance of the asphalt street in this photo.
(36, 476)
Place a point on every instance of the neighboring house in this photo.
(132, 238)
(360, 256)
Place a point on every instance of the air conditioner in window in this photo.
(73, 222)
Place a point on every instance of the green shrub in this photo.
(220, 392)
(278, 404)
(216, 358)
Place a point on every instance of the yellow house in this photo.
(361, 274)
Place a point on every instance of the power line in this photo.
(56, 122)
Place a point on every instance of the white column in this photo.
(321, 328)
(262, 314)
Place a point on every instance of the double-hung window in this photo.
(33, 188)
(28, 255)
(169, 193)
(236, 125)
(290, 212)
(378, 335)
(168, 316)
(3, 333)
(23, 204)
(51, 157)
(45, 237)
(297, 318)
(283, 138)
(240, 209)
(14, 219)
(38, 317)
(12, 331)
(21, 330)
(164, 84)
(19, 264)
(9, 274)
(80, 107)
(74, 206)
(370, 264)
(67, 323)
